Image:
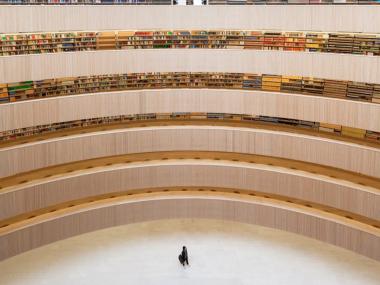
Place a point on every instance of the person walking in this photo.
(183, 257)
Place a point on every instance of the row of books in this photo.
(314, 126)
(27, 90)
(23, 43)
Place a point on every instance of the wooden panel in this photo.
(353, 114)
(296, 184)
(314, 224)
(338, 154)
(283, 17)
(350, 67)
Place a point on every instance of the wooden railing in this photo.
(331, 129)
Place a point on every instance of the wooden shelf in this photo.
(291, 84)
(376, 93)
(340, 43)
(105, 40)
(335, 88)
(353, 132)
(360, 91)
(349, 90)
(271, 82)
(18, 44)
(314, 126)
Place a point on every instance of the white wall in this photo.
(302, 107)
(352, 18)
(359, 68)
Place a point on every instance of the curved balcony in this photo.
(359, 68)
(75, 220)
(31, 113)
(133, 172)
(16, 19)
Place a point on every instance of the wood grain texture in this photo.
(303, 107)
(347, 156)
(191, 121)
(334, 18)
(307, 167)
(119, 211)
(43, 193)
(361, 68)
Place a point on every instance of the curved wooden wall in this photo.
(303, 107)
(325, 227)
(352, 18)
(39, 194)
(347, 156)
(352, 67)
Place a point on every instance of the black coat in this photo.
(184, 254)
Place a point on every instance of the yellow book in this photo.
(353, 132)
(331, 126)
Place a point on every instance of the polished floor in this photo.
(220, 253)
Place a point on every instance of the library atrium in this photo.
(168, 142)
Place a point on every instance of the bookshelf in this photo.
(368, 44)
(309, 125)
(294, 41)
(21, 91)
(353, 132)
(217, 39)
(360, 91)
(125, 40)
(335, 88)
(291, 84)
(235, 39)
(348, 90)
(271, 82)
(162, 39)
(252, 81)
(64, 41)
(376, 93)
(340, 43)
(273, 41)
(141, 40)
(105, 40)
(198, 39)
(312, 86)
(254, 40)
(315, 42)
(18, 44)
(330, 128)
(181, 39)
(4, 97)
(85, 41)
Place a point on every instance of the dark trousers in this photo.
(183, 259)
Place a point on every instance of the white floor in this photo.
(220, 253)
